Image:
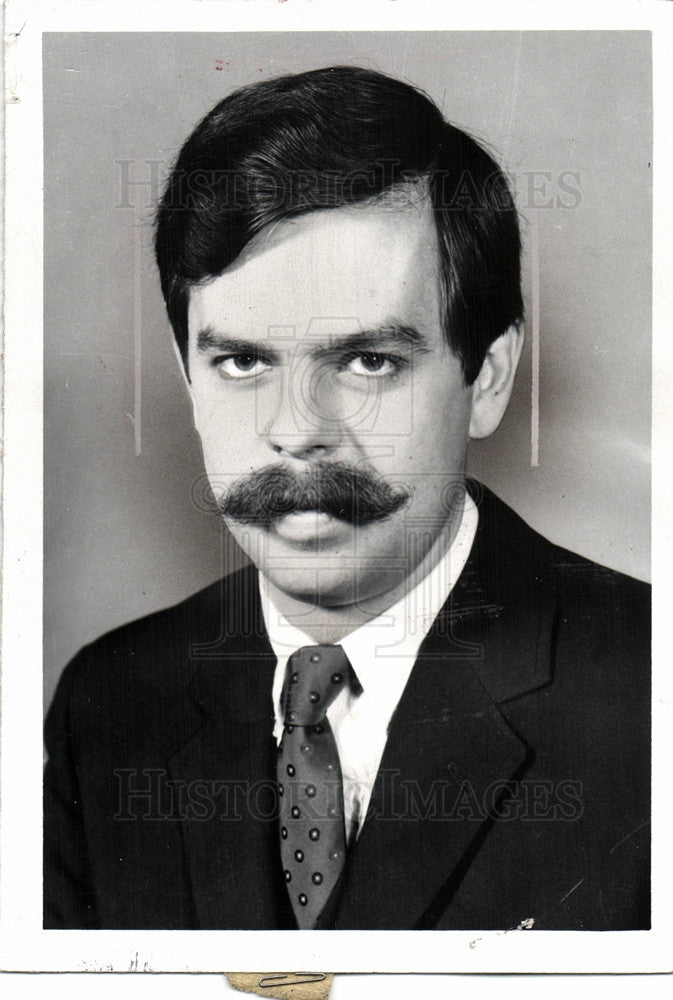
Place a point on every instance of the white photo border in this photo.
(24, 945)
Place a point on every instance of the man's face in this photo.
(321, 347)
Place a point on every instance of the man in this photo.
(410, 710)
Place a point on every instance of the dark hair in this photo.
(334, 137)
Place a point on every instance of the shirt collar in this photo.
(383, 651)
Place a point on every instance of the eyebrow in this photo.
(389, 334)
(208, 339)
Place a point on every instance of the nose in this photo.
(306, 421)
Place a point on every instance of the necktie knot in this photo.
(314, 677)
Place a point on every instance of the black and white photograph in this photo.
(344, 533)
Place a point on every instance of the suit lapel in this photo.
(450, 752)
(228, 768)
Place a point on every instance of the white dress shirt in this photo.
(382, 654)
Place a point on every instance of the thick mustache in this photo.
(341, 490)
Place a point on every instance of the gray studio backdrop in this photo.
(569, 116)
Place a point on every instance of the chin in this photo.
(318, 573)
(323, 587)
(331, 586)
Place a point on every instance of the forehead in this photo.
(360, 264)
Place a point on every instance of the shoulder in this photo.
(588, 625)
(151, 661)
(591, 623)
(507, 545)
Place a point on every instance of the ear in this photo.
(493, 385)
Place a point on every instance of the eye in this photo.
(241, 366)
(371, 364)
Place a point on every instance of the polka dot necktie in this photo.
(312, 837)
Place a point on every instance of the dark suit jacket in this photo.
(514, 784)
